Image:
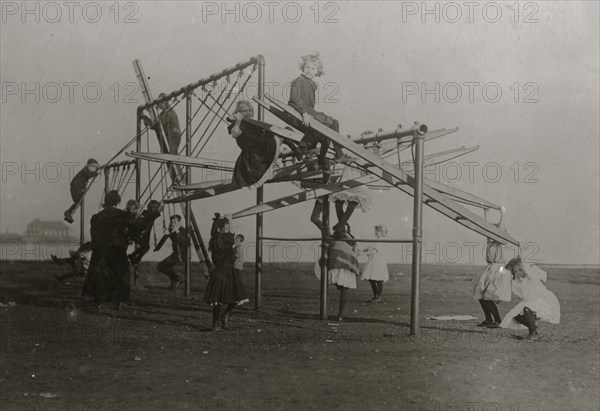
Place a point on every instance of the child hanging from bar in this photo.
(178, 236)
(139, 233)
(79, 261)
(492, 285)
(78, 186)
(350, 199)
(259, 147)
(376, 269)
(537, 302)
(225, 285)
(302, 98)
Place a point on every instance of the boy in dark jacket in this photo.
(178, 236)
(79, 185)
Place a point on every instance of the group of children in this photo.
(499, 281)
(259, 149)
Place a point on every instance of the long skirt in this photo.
(108, 276)
(225, 286)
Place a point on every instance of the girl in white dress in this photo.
(376, 270)
(492, 285)
(538, 303)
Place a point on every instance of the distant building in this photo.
(47, 231)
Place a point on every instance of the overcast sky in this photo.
(538, 138)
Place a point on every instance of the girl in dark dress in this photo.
(260, 148)
(108, 274)
(225, 286)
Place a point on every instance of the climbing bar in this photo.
(190, 87)
(404, 134)
(120, 164)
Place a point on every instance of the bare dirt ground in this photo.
(158, 352)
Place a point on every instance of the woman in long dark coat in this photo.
(108, 274)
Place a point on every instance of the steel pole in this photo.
(188, 180)
(82, 223)
(324, 255)
(259, 200)
(417, 233)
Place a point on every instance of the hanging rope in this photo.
(123, 187)
(203, 102)
(124, 172)
(220, 105)
(115, 177)
(151, 180)
(227, 110)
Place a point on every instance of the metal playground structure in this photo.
(207, 105)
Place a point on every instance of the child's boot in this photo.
(68, 217)
(530, 318)
(488, 315)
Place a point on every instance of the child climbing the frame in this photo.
(302, 98)
(225, 286)
(79, 184)
(350, 199)
(376, 269)
(493, 284)
(537, 302)
(140, 229)
(179, 236)
(139, 233)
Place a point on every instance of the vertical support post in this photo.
(259, 200)
(188, 180)
(138, 162)
(138, 182)
(324, 255)
(82, 222)
(417, 233)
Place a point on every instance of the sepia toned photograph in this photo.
(300, 205)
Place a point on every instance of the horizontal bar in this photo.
(204, 81)
(397, 133)
(120, 164)
(359, 240)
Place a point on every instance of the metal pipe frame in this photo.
(399, 133)
(124, 162)
(258, 263)
(202, 82)
(188, 180)
(324, 258)
(417, 234)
